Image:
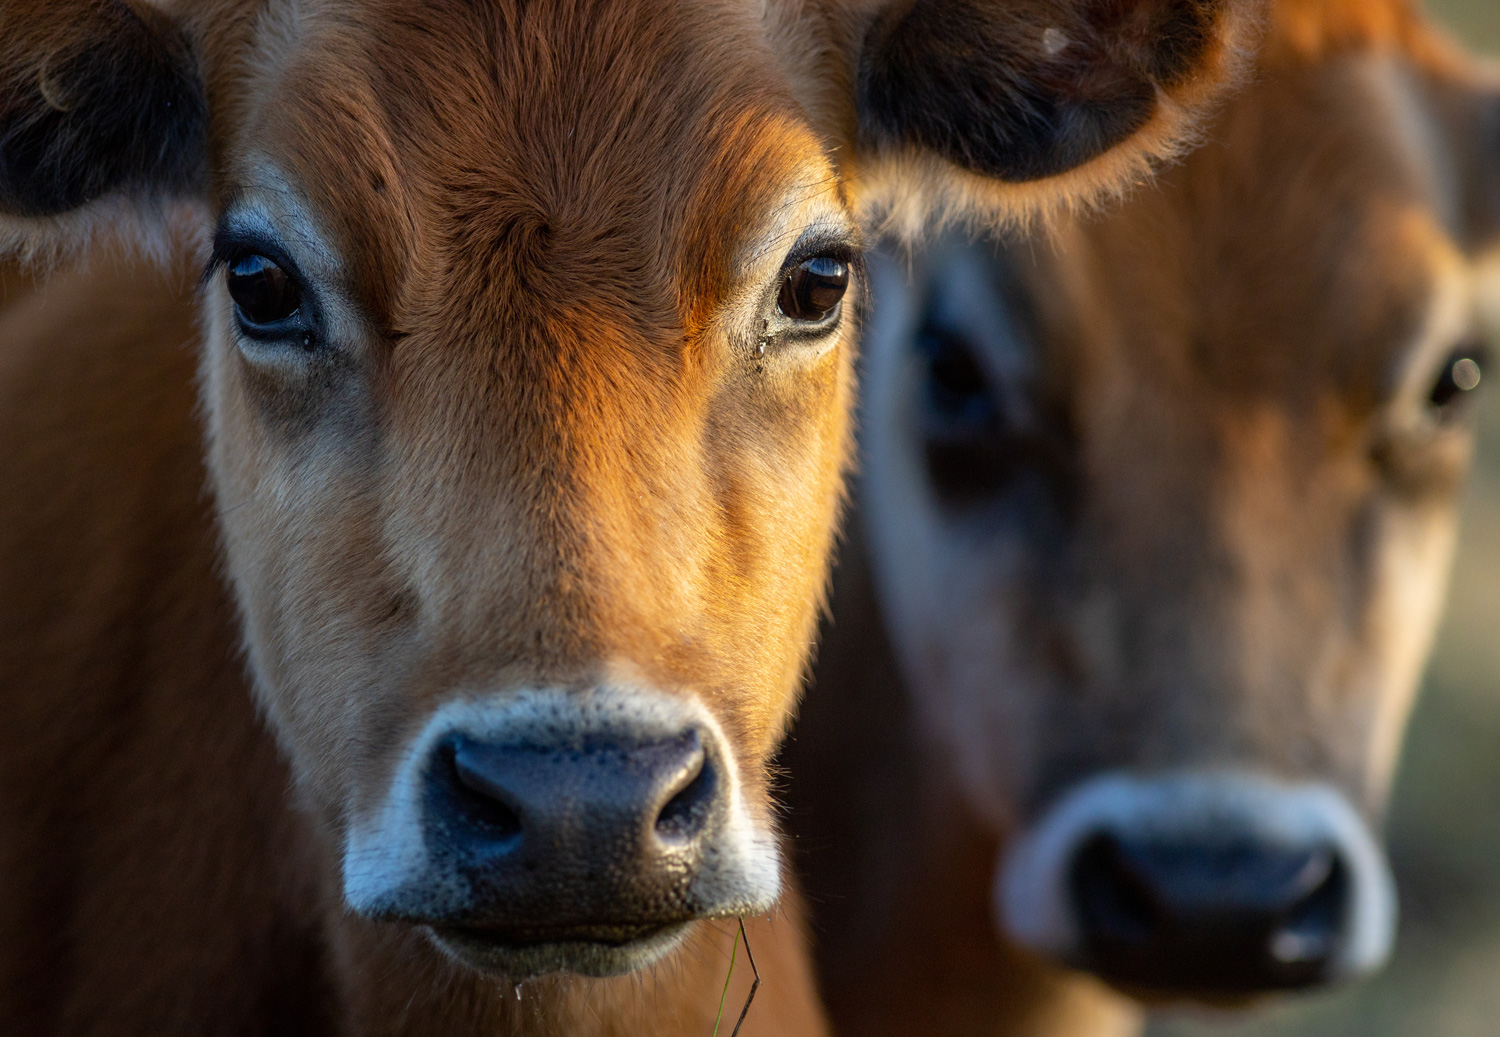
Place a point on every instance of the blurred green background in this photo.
(1444, 828)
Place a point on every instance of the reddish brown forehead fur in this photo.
(1291, 290)
(592, 154)
(1311, 31)
(1319, 286)
(542, 237)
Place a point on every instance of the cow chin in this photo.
(599, 954)
(548, 831)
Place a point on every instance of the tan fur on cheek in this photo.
(1409, 603)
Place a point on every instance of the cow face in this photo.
(1161, 519)
(527, 372)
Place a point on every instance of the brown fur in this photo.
(533, 446)
(1249, 536)
(155, 889)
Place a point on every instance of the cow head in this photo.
(1162, 516)
(527, 375)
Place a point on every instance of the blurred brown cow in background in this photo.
(1154, 527)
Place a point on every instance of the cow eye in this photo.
(264, 293)
(813, 289)
(960, 401)
(1460, 376)
(969, 457)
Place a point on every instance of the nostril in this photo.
(482, 801)
(1212, 914)
(687, 812)
(1312, 925)
(1114, 899)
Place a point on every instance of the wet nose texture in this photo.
(594, 840)
(1212, 918)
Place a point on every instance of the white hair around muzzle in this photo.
(1033, 900)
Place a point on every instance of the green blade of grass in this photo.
(734, 949)
(754, 982)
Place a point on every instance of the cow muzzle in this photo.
(1209, 886)
(563, 831)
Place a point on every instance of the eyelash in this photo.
(227, 248)
(814, 248)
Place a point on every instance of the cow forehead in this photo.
(621, 156)
(1302, 256)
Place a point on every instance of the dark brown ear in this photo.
(97, 97)
(1020, 91)
(1486, 193)
(1462, 99)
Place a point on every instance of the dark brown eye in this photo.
(263, 291)
(1460, 376)
(959, 395)
(813, 288)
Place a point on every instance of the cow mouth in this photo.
(606, 934)
(608, 949)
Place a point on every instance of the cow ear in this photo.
(1486, 205)
(1462, 99)
(98, 99)
(1015, 105)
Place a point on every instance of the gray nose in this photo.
(1212, 916)
(594, 839)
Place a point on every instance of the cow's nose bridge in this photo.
(568, 582)
(1210, 674)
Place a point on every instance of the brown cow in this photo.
(524, 351)
(1154, 530)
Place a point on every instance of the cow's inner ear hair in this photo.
(1025, 90)
(994, 111)
(96, 98)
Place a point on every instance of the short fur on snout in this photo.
(1168, 498)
